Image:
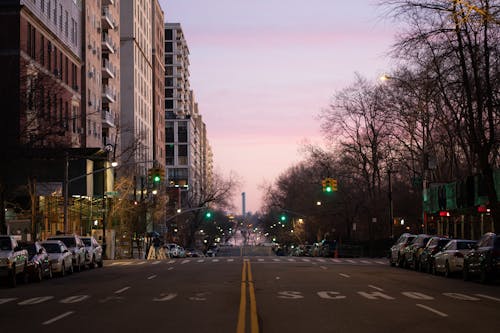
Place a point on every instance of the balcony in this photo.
(107, 44)
(108, 70)
(108, 94)
(108, 119)
(107, 19)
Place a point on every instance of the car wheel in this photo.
(400, 261)
(465, 273)
(78, 266)
(484, 276)
(39, 274)
(12, 277)
(63, 270)
(447, 272)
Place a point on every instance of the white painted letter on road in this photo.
(290, 294)
(374, 295)
(330, 295)
(167, 297)
(461, 297)
(415, 295)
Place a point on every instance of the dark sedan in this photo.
(39, 265)
(434, 245)
(484, 259)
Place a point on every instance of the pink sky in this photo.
(262, 70)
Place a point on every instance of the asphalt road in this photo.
(253, 294)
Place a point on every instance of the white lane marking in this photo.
(291, 259)
(185, 261)
(152, 277)
(381, 262)
(336, 260)
(230, 260)
(351, 261)
(170, 268)
(428, 308)
(461, 297)
(171, 261)
(365, 262)
(122, 290)
(345, 275)
(5, 300)
(488, 297)
(306, 260)
(260, 259)
(141, 263)
(321, 260)
(376, 288)
(50, 321)
(323, 267)
(115, 263)
(276, 260)
(155, 263)
(74, 299)
(201, 260)
(165, 297)
(35, 300)
(215, 260)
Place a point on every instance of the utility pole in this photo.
(391, 208)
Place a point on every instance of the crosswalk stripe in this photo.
(381, 262)
(230, 260)
(185, 261)
(215, 260)
(336, 260)
(201, 260)
(276, 260)
(306, 260)
(141, 263)
(291, 259)
(155, 263)
(365, 262)
(171, 261)
(351, 261)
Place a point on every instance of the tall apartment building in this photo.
(136, 89)
(187, 149)
(41, 60)
(158, 57)
(101, 74)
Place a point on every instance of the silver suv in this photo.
(75, 245)
(396, 255)
(94, 252)
(13, 260)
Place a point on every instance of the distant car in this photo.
(413, 251)
(484, 259)
(94, 255)
(434, 245)
(174, 250)
(60, 257)
(76, 247)
(39, 265)
(396, 255)
(451, 259)
(13, 260)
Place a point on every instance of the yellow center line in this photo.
(246, 277)
(243, 301)
(253, 303)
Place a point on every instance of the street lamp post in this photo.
(391, 208)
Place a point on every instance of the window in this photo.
(169, 93)
(182, 134)
(183, 154)
(170, 154)
(31, 41)
(42, 50)
(168, 47)
(66, 24)
(169, 104)
(169, 132)
(169, 60)
(168, 35)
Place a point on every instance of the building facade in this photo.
(136, 90)
(186, 145)
(158, 58)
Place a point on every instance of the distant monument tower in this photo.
(243, 209)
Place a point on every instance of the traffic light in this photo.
(333, 184)
(328, 188)
(329, 185)
(208, 214)
(283, 218)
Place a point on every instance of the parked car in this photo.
(451, 259)
(60, 257)
(413, 251)
(434, 245)
(328, 248)
(484, 259)
(396, 255)
(13, 260)
(39, 265)
(76, 247)
(94, 255)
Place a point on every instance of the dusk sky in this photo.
(262, 70)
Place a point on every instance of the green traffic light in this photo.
(156, 179)
(208, 215)
(283, 218)
(328, 189)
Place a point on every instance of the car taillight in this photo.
(458, 255)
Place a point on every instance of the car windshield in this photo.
(87, 241)
(52, 248)
(5, 244)
(443, 242)
(465, 245)
(31, 248)
(69, 242)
